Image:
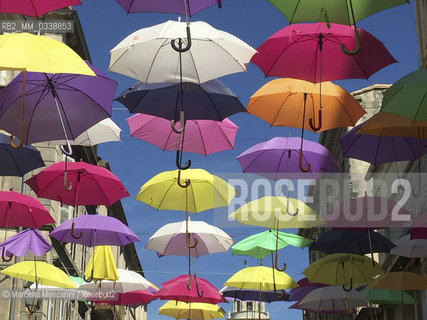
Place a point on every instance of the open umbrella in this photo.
(388, 296)
(280, 157)
(305, 286)
(189, 289)
(131, 299)
(187, 7)
(399, 280)
(252, 295)
(418, 229)
(24, 241)
(411, 248)
(193, 310)
(101, 265)
(35, 8)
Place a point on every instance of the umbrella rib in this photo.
(201, 138)
(154, 59)
(194, 63)
(228, 53)
(419, 107)
(289, 94)
(213, 104)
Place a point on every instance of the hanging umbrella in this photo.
(405, 247)
(53, 292)
(352, 241)
(194, 310)
(104, 131)
(40, 272)
(252, 295)
(35, 8)
(189, 289)
(349, 269)
(280, 156)
(333, 298)
(399, 280)
(93, 185)
(18, 162)
(209, 46)
(170, 239)
(94, 230)
(305, 286)
(187, 7)
(131, 299)
(24, 241)
(418, 229)
(292, 102)
(334, 311)
(201, 136)
(261, 244)
(380, 149)
(58, 106)
(387, 296)
(101, 265)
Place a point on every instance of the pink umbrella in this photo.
(24, 241)
(35, 8)
(418, 229)
(131, 298)
(189, 289)
(200, 136)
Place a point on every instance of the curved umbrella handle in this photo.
(293, 214)
(187, 182)
(351, 286)
(178, 165)
(279, 295)
(319, 125)
(21, 140)
(181, 123)
(91, 276)
(69, 150)
(275, 264)
(300, 163)
(3, 256)
(72, 232)
(357, 40)
(67, 186)
(179, 47)
(199, 293)
(187, 238)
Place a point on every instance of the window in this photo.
(249, 306)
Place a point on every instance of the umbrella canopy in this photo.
(211, 100)
(331, 10)
(95, 230)
(349, 268)
(209, 47)
(311, 52)
(262, 244)
(387, 296)
(352, 241)
(128, 281)
(260, 278)
(334, 311)
(205, 191)
(101, 265)
(194, 310)
(252, 295)
(170, 239)
(418, 229)
(24, 51)
(297, 294)
(273, 212)
(93, 185)
(415, 248)
(201, 136)
(52, 292)
(58, 106)
(187, 7)
(18, 162)
(189, 289)
(35, 8)
(132, 299)
(399, 280)
(280, 157)
(104, 131)
(280, 102)
(22, 242)
(380, 149)
(40, 272)
(20, 210)
(333, 298)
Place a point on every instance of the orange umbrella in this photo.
(300, 104)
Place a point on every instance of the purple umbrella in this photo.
(280, 156)
(305, 286)
(183, 7)
(95, 230)
(24, 241)
(57, 106)
(297, 306)
(377, 150)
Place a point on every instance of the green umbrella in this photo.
(386, 296)
(261, 244)
(337, 11)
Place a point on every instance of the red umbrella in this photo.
(131, 298)
(189, 289)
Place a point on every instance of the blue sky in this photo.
(105, 24)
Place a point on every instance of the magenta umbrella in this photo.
(24, 241)
(278, 157)
(418, 229)
(200, 136)
(189, 289)
(35, 8)
(188, 7)
(132, 299)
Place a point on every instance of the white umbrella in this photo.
(128, 281)
(170, 239)
(416, 248)
(147, 54)
(104, 131)
(333, 298)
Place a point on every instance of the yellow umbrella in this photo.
(101, 265)
(399, 280)
(192, 310)
(201, 191)
(343, 269)
(27, 52)
(39, 272)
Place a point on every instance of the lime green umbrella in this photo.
(387, 296)
(337, 11)
(261, 244)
